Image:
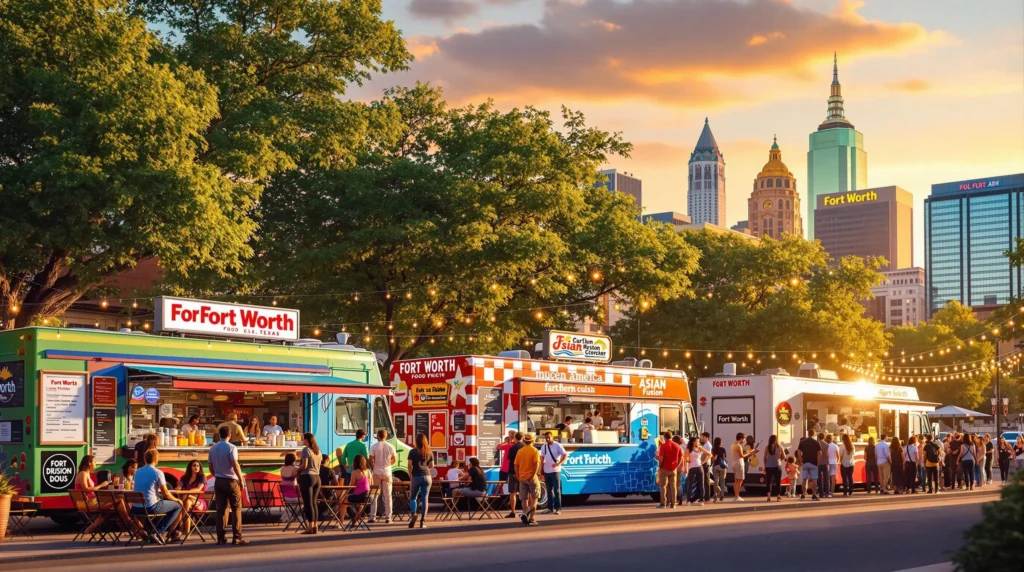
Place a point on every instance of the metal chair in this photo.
(361, 510)
(292, 502)
(451, 505)
(112, 524)
(490, 502)
(89, 512)
(261, 498)
(23, 509)
(137, 502)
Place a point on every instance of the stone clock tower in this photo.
(774, 206)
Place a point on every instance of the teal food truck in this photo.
(67, 393)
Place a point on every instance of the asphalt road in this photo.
(879, 537)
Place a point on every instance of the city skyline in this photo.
(936, 90)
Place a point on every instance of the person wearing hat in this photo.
(528, 470)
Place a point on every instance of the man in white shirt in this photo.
(552, 455)
(705, 442)
(598, 420)
(272, 428)
(191, 427)
(833, 463)
(382, 459)
(884, 458)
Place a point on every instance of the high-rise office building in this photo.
(870, 222)
(705, 197)
(774, 205)
(899, 300)
(968, 225)
(836, 159)
(624, 183)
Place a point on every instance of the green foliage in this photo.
(996, 543)
(462, 221)
(772, 295)
(950, 327)
(98, 158)
(1016, 254)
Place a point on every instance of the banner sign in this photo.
(573, 346)
(12, 384)
(535, 388)
(184, 315)
(57, 469)
(430, 395)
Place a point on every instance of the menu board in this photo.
(422, 425)
(12, 431)
(104, 391)
(63, 408)
(491, 428)
(104, 426)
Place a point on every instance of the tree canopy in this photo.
(456, 225)
(774, 296)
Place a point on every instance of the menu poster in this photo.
(491, 428)
(422, 425)
(438, 430)
(459, 420)
(104, 391)
(12, 431)
(63, 408)
(104, 426)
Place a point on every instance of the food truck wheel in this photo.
(400, 476)
(574, 500)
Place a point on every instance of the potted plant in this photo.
(7, 492)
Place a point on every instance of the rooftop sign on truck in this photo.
(182, 315)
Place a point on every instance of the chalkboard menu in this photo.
(422, 425)
(104, 426)
(492, 427)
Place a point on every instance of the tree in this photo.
(950, 328)
(771, 296)
(98, 159)
(454, 225)
(996, 542)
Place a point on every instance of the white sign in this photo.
(185, 315)
(574, 346)
(63, 408)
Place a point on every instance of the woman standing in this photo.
(739, 465)
(1018, 453)
(773, 468)
(979, 460)
(896, 452)
(693, 458)
(421, 461)
(871, 475)
(309, 481)
(846, 465)
(1005, 454)
(719, 468)
(967, 459)
(910, 465)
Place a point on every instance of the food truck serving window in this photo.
(608, 418)
(349, 415)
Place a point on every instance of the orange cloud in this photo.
(909, 86)
(679, 52)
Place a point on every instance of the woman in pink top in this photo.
(84, 482)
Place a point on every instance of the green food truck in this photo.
(66, 393)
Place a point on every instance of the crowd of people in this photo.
(693, 471)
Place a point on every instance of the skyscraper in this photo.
(869, 222)
(705, 198)
(836, 159)
(774, 205)
(624, 183)
(968, 225)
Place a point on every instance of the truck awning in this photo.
(210, 379)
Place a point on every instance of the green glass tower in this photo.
(836, 159)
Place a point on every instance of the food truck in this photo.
(813, 401)
(66, 393)
(467, 404)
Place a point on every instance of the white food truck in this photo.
(814, 400)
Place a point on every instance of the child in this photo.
(793, 473)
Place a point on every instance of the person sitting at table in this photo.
(152, 483)
(194, 480)
(84, 482)
(327, 476)
(475, 479)
(288, 469)
(361, 479)
(126, 475)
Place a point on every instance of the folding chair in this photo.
(23, 509)
(112, 525)
(207, 518)
(333, 498)
(89, 512)
(292, 502)
(137, 502)
(490, 502)
(400, 507)
(451, 505)
(361, 511)
(129, 523)
(261, 498)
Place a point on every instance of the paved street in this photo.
(882, 536)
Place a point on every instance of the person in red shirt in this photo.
(670, 455)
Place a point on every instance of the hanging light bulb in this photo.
(316, 331)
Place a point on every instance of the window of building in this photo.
(778, 183)
(769, 182)
(786, 183)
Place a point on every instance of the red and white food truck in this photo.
(813, 401)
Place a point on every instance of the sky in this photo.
(935, 86)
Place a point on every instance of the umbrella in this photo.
(954, 412)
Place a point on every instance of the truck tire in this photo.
(574, 500)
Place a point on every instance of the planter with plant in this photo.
(7, 492)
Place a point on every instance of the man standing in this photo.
(527, 469)
(235, 432)
(353, 449)
(513, 479)
(670, 456)
(832, 455)
(382, 458)
(553, 455)
(823, 466)
(808, 454)
(150, 481)
(223, 460)
(598, 420)
(705, 441)
(931, 464)
(884, 458)
(272, 428)
(989, 448)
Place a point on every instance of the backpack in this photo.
(931, 452)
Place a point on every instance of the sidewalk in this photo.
(56, 546)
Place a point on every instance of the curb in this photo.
(288, 539)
